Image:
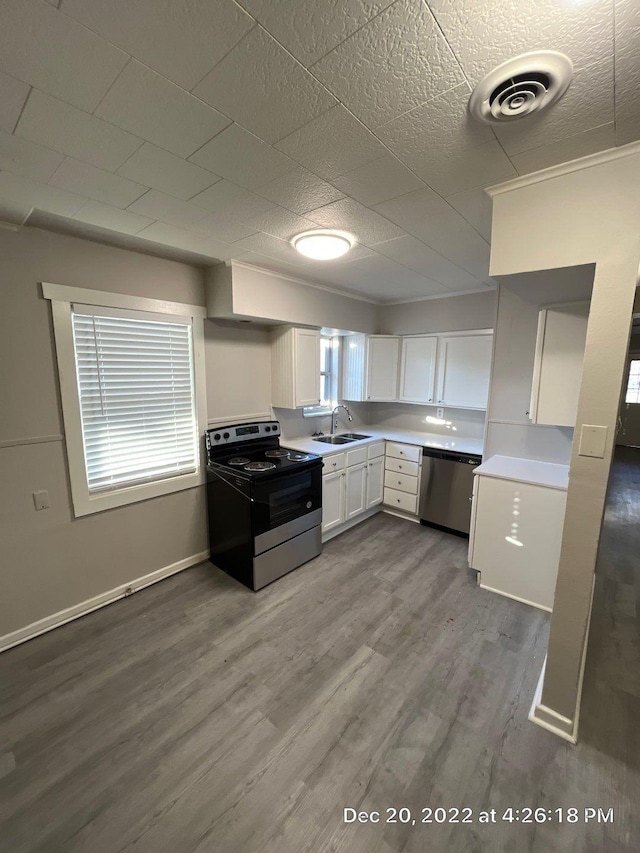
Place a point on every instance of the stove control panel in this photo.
(236, 433)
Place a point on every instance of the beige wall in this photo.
(451, 314)
(520, 297)
(589, 214)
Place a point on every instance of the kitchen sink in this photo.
(353, 436)
(334, 439)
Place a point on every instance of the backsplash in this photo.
(294, 425)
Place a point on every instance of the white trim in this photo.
(399, 514)
(305, 282)
(547, 718)
(567, 168)
(515, 597)
(9, 226)
(64, 293)
(34, 439)
(487, 288)
(347, 525)
(84, 607)
(526, 424)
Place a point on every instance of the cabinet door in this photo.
(306, 367)
(464, 371)
(375, 482)
(418, 369)
(382, 367)
(356, 490)
(333, 494)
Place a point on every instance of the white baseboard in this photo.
(512, 597)
(549, 719)
(84, 607)
(349, 524)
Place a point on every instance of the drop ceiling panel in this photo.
(22, 193)
(181, 238)
(281, 223)
(262, 87)
(310, 29)
(587, 103)
(157, 205)
(13, 94)
(570, 148)
(50, 122)
(226, 198)
(241, 157)
(332, 144)
(96, 184)
(22, 157)
(378, 181)
(404, 43)
(56, 54)
(300, 191)
(157, 110)
(366, 225)
(484, 34)
(154, 167)
(182, 41)
(627, 71)
(261, 243)
(221, 227)
(112, 218)
(476, 207)
(415, 255)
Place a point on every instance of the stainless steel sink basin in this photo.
(354, 436)
(334, 439)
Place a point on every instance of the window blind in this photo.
(137, 399)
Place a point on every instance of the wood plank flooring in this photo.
(198, 716)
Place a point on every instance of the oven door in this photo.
(292, 502)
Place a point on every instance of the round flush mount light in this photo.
(521, 86)
(322, 245)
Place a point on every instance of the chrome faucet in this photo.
(334, 417)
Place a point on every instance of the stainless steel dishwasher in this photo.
(446, 488)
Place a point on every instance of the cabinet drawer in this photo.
(376, 450)
(402, 466)
(356, 456)
(401, 500)
(404, 451)
(402, 482)
(335, 462)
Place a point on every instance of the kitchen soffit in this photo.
(143, 126)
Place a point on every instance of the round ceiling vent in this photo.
(521, 86)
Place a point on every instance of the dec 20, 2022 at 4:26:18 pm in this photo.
(466, 815)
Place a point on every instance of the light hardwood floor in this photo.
(198, 716)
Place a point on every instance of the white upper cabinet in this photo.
(418, 369)
(464, 370)
(295, 367)
(562, 332)
(370, 367)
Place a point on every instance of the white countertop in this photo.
(526, 471)
(376, 433)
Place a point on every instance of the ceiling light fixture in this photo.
(322, 245)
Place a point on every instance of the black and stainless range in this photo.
(264, 502)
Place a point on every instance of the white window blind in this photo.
(137, 399)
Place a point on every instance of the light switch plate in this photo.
(440, 413)
(41, 500)
(593, 440)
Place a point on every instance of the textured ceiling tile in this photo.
(484, 34)
(627, 71)
(22, 192)
(152, 107)
(170, 235)
(390, 280)
(157, 205)
(181, 40)
(367, 226)
(154, 167)
(587, 103)
(106, 216)
(414, 254)
(231, 200)
(477, 167)
(21, 157)
(395, 62)
(378, 181)
(476, 207)
(53, 123)
(96, 184)
(309, 29)
(242, 158)
(262, 244)
(54, 53)
(280, 223)
(260, 85)
(300, 191)
(580, 145)
(13, 94)
(332, 144)
(415, 208)
(221, 227)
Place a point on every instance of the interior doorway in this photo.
(628, 434)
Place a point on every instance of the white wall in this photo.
(520, 297)
(450, 314)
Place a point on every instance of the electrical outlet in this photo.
(440, 413)
(41, 500)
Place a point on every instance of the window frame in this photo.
(62, 297)
(634, 356)
(323, 411)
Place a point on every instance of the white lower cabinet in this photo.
(356, 490)
(402, 477)
(375, 482)
(333, 500)
(352, 483)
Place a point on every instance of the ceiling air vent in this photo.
(523, 85)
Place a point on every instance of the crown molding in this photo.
(304, 281)
(488, 288)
